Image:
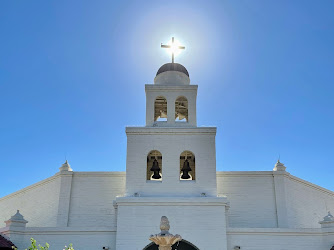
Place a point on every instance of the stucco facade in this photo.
(211, 210)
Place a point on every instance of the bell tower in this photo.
(171, 167)
(171, 97)
(171, 156)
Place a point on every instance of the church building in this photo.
(171, 171)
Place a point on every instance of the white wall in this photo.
(92, 198)
(38, 203)
(253, 200)
(171, 142)
(251, 196)
(200, 221)
(329, 239)
(271, 239)
(307, 203)
(83, 239)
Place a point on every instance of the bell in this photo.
(185, 170)
(156, 170)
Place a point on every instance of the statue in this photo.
(164, 239)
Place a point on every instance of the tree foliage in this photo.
(34, 246)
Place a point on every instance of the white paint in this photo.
(38, 203)
(195, 219)
(217, 211)
(172, 78)
(171, 143)
(171, 93)
(252, 209)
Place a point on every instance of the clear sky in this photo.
(72, 76)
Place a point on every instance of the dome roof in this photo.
(173, 67)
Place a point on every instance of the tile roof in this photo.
(4, 243)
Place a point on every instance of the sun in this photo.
(174, 47)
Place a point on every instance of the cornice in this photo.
(279, 231)
(222, 174)
(171, 201)
(153, 87)
(309, 184)
(99, 174)
(63, 230)
(170, 131)
(40, 183)
(244, 173)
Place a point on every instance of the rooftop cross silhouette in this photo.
(173, 47)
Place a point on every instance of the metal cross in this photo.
(172, 46)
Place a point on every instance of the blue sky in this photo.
(72, 76)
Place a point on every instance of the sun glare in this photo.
(174, 47)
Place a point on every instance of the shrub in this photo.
(34, 246)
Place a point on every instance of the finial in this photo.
(17, 217)
(329, 217)
(165, 240)
(164, 224)
(65, 167)
(279, 166)
(173, 48)
(328, 221)
(17, 220)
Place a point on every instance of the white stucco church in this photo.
(171, 171)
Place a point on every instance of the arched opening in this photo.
(181, 109)
(154, 166)
(187, 166)
(182, 245)
(160, 109)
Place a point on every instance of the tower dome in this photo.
(172, 74)
(173, 67)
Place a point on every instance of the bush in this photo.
(34, 246)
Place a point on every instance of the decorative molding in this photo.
(170, 130)
(222, 174)
(40, 183)
(311, 185)
(280, 231)
(155, 87)
(99, 174)
(172, 201)
(164, 239)
(64, 230)
(244, 173)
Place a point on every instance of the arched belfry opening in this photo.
(160, 109)
(182, 245)
(154, 166)
(181, 109)
(187, 166)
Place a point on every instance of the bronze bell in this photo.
(185, 170)
(156, 170)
